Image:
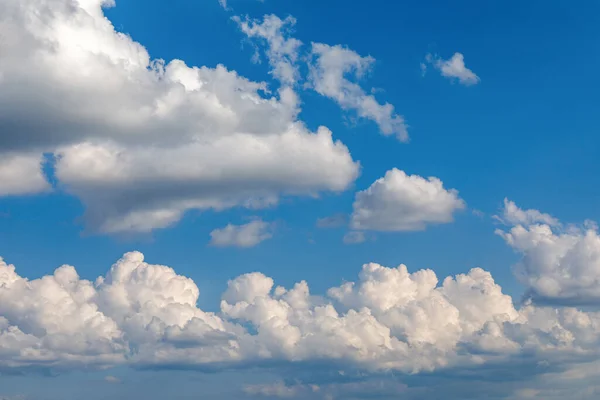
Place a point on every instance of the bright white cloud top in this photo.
(141, 141)
(401, 202)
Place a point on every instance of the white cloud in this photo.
(454, 68)
(334, 71)
(513, 215)
(354, 237)
(141, 141)
(559, 264)
(146, 315)
(247, 235)
(282, 50)
(21, 174)
(399, 202)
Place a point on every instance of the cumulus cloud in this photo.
(401, 202)
(454, 68)
(247, 235)
(334, 71)
(141, 141)
(146, 315)
(560, 264)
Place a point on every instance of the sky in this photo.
(244, 199)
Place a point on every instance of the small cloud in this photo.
(478, 213)
(333, 221)
(354, 237)
(112, 379)
(243, 236)
(454, 68)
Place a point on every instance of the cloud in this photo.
(333, 221)
(559, 264)
(282, 50)
(141, 141)
(21, 174)
(247, 235)
(334, 71)
(399, 202)
(453, 68)
(513, 215)
(354, 237)
(279, 389)
(146, 316)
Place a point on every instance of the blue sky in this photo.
(524, 130)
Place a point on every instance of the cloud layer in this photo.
(390, 319)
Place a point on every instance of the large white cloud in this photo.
(560, 264)
(141, 141)
(144, 315)
(401, 202)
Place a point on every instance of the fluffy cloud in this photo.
(247, 235)
(454, 68)
(560, 264)
(141, 141)
(145, 315)
(334, 71)
(21, 174)
(399, 202)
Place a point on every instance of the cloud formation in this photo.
(244, 236)
(142, 141)
(454, 68)
(559, 264)
(390, 319)
(399, 202)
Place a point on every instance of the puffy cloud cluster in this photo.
(143, 315)
(141, 141)
(401, 202)
(453, 68)
(334, 71)
(560, 264)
